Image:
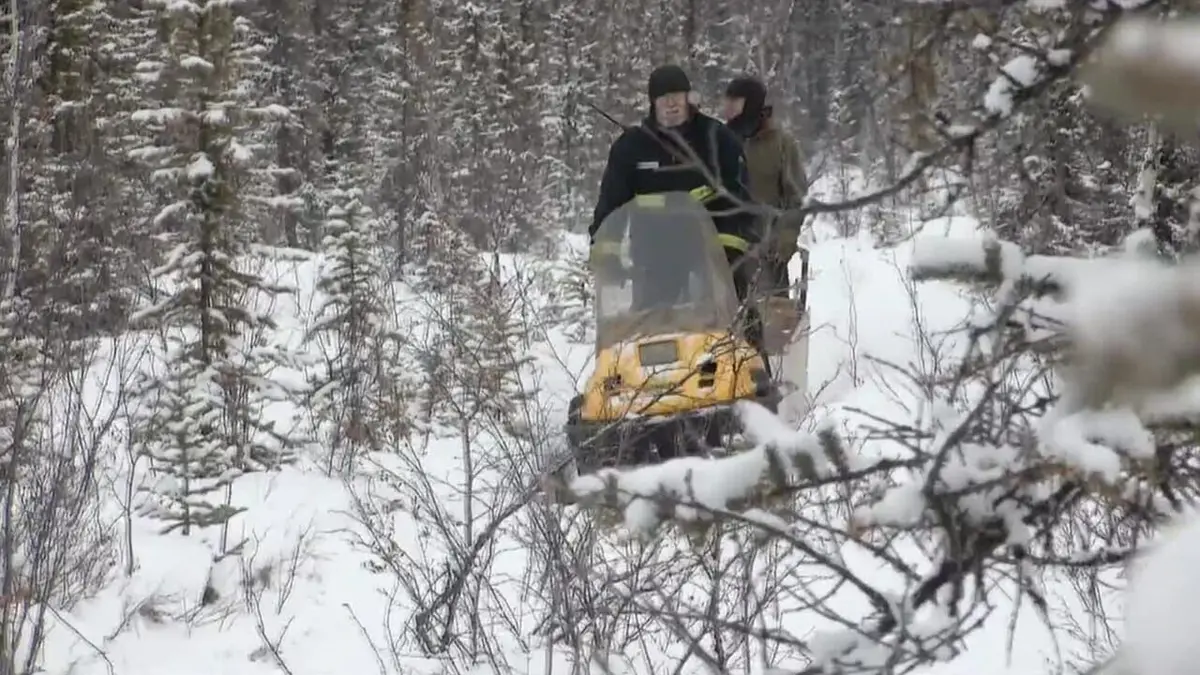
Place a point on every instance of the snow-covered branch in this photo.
(1131, 327)
(691, 490)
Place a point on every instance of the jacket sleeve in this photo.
(731, 160)
(616, 186)
(793, 181)
(735, 178)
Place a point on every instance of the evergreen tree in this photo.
(494, 351)
(475, 366)
(351, 325)
(210, 423)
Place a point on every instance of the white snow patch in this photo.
(195, 63)
(1046, 5)
(703, 486)
(1174, 44)
(1163, 592)
(200, 168)
(1018, 73)
(1090, 440)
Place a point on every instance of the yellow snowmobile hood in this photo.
(670, 374)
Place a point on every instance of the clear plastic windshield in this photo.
(659, 268)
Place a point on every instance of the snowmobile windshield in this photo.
(659, 268)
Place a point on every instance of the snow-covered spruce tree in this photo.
(208, 426)
(289, 68)
(475, 364)
(571, 297)
(340, 129)
(76, 250)
(568, 128)
(350, 328)
(385, 107)
(495, 334)
(486, 90)
(484, 169)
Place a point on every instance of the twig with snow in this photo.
(1104, 313)
(252, 595)
(738, 481)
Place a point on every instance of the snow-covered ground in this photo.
(310, 593)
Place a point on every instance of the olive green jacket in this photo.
(776, 169)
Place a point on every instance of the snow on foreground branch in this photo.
(1163, 589)
(1126, 347)
(1148, 67)
(695, 490)
(950, 487)
(1128, 328)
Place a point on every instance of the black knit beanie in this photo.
(753, 91)
(667, 79)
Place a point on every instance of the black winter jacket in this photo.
(637, 159)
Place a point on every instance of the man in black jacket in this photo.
(649, 159)
(654, 157)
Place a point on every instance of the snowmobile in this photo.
(671, 360)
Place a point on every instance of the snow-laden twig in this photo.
(648, 496)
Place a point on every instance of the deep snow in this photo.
(326, 607)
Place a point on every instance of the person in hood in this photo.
(654, 157)
(776, 169)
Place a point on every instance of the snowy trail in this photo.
(865, 310)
